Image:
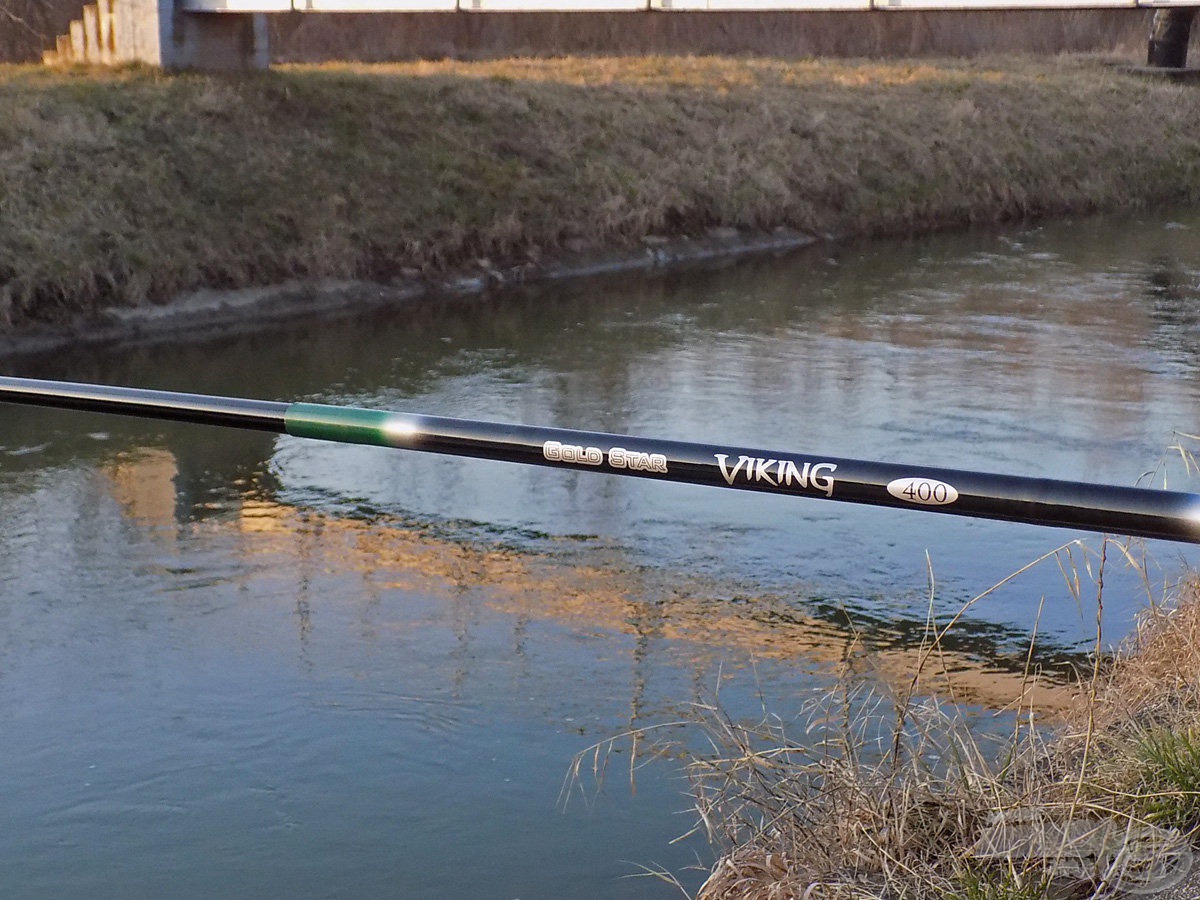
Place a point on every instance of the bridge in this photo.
(233, 34)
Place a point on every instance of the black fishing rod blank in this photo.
(1141, 512)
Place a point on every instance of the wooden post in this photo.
(1169, 38)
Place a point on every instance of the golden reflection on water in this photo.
(144, 485)
(601, 597)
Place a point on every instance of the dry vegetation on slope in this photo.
(128, 187)
(885, 800)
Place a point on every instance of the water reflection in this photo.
(1174, 293)
(585, 587)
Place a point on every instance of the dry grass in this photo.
(1141, 735)
(128, 187)
(898, 797)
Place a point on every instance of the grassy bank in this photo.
(128, 187)
(893, 797)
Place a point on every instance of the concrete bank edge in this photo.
(207, 313)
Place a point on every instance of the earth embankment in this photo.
(131, 187)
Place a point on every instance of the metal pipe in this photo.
(1168, 515)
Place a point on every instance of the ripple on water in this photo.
(241, 663)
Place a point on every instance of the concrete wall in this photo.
(219, 42)
(155, 33)
(396, 36)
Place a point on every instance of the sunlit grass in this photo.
(130, 186)
(709, 72)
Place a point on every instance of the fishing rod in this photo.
(1141, 512)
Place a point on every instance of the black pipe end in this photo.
(1169, 38)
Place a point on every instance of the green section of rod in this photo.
(345, 424)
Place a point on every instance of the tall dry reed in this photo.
(871, 795)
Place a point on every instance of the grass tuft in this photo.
(1002, 885)
(1170, 777)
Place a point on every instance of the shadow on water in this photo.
(1173, 290)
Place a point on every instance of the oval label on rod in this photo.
(922, 491)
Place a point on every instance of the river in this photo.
(235, 664)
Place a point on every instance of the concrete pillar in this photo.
(156, 33)
(78, 43)
(143, 31)
(1169, 38)
(91, 35)
(104, 23)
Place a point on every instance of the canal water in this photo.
(242, 665)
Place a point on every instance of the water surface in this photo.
(238, 664)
